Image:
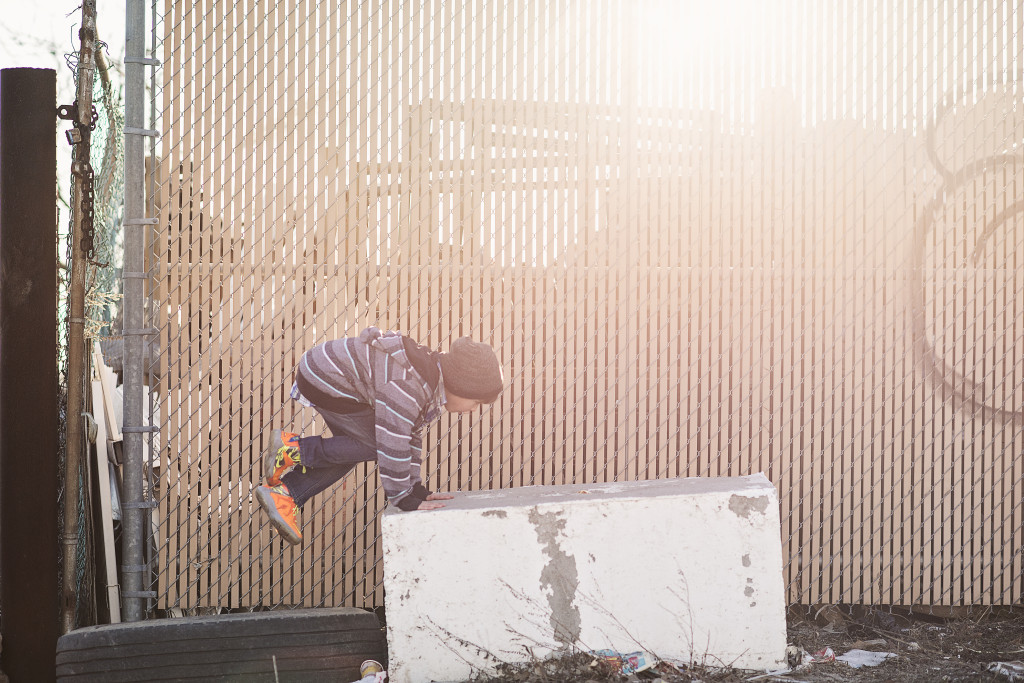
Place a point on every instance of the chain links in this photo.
(77, 135)
(88, 213)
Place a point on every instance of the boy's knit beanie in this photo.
(471, 370)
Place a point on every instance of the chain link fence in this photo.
(102, 298)
(708, 239)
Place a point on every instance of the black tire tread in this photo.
(308, 645)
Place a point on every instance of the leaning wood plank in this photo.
(106, 519)
(107, 382)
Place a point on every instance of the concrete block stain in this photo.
(749, 590)
(744, 506)
(559, 578)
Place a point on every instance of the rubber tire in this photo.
(308, 645)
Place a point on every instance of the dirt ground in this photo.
(926, 647)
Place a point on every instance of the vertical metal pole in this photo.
(80, 169)
(134, 568)
(29, 446)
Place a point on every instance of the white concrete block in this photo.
(685, 569)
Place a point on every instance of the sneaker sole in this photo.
(270, 458)
(266, 501)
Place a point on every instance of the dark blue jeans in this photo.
(327, 459)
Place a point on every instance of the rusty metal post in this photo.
(29, 446)
(81, 170)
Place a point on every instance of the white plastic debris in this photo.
(1011, 671)
(378, 677)
(372, 671)
(859, 658)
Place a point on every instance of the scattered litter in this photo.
(859, 658)
(378, 677)
(370, 666)
(799, 661)
(372, 671)
(1011, 671)
(633, 662)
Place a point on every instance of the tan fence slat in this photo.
(694, 262)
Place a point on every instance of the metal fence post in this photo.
(135, 568)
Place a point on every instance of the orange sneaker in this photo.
(282, 510)
(282, 453)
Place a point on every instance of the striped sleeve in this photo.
(398, 450)
(416, 451)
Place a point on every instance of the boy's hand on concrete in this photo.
(440, 496)
(430, 505)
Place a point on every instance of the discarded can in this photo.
(370, 666)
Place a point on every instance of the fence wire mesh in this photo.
(709, 239)
(102, 301)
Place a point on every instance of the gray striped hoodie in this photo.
(374, 369)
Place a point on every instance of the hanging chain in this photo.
(80, 134)
(88, 213)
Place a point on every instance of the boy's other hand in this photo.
(440, 496)
(430, 505)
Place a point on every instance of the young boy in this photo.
(377, 393)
